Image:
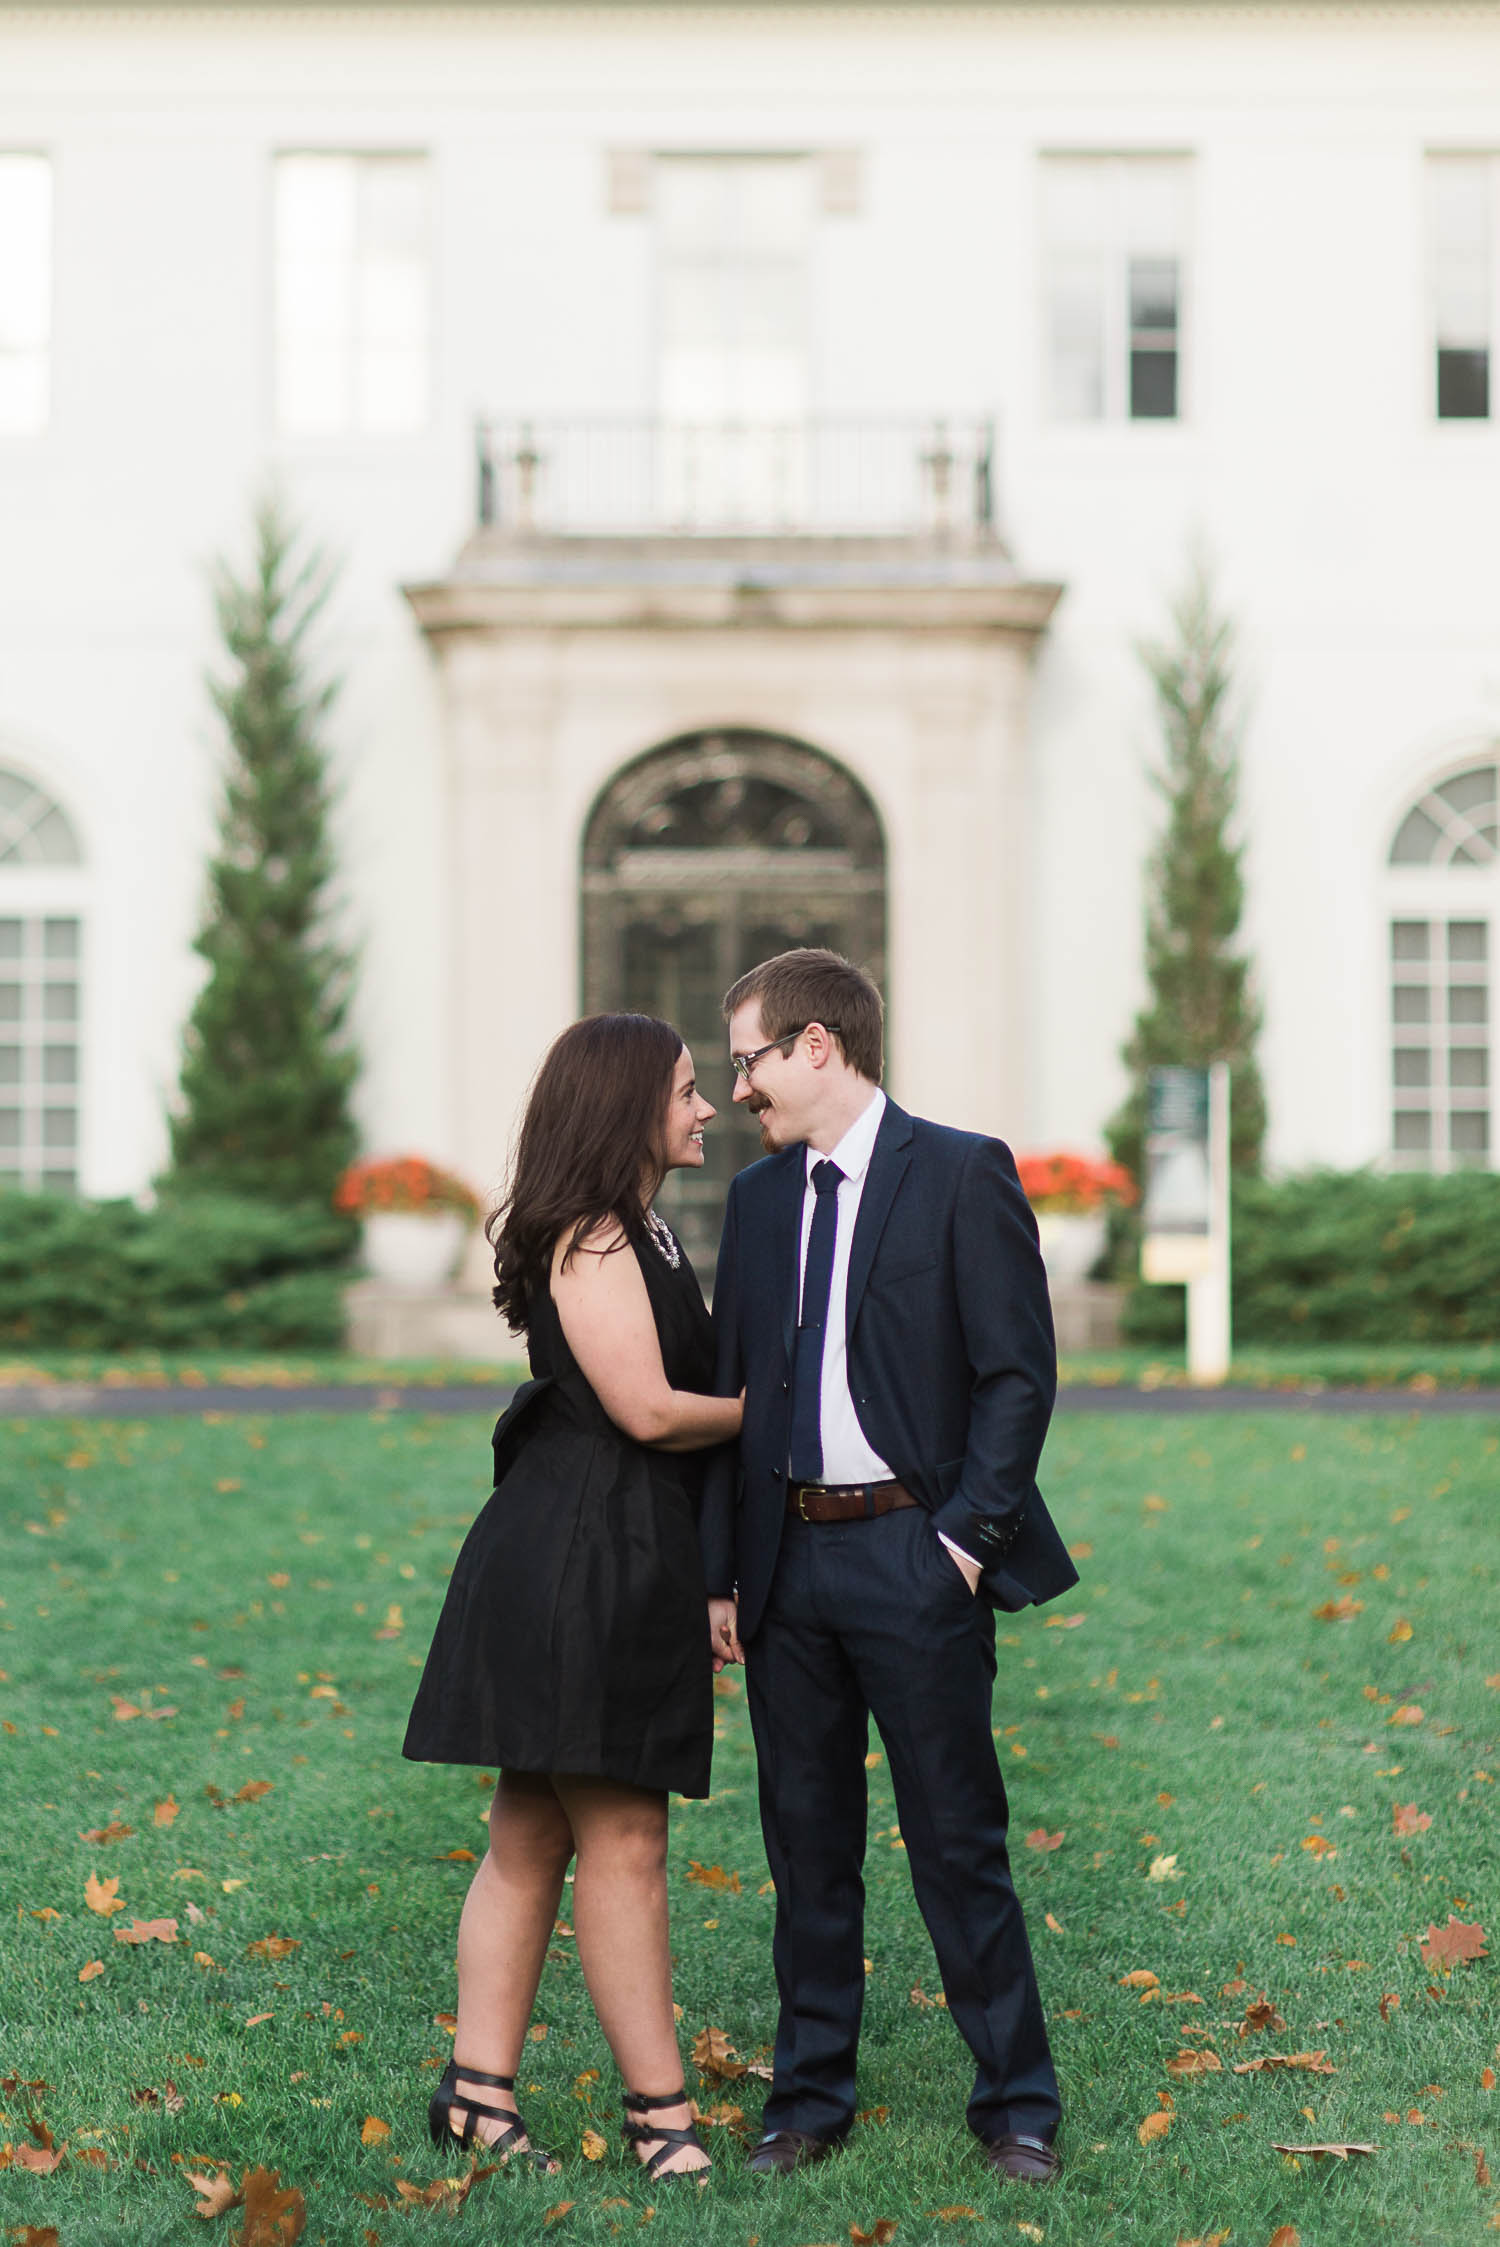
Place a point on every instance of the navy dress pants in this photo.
(873, 1618)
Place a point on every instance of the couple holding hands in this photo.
(843, 1460)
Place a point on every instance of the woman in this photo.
(570, 1651)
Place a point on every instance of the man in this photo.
(881, 1298)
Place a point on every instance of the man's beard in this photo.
(769, 1141)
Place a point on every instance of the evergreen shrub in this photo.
(1350, 1256)
(208, 1273)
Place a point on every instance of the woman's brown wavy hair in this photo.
(593, 1129)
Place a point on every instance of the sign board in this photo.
(1177, 1208)
(1185, 1207)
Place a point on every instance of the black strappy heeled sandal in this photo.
(640, 2133)
(447, 2096)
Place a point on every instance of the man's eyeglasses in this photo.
(743, 1063)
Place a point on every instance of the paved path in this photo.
(96, 1401)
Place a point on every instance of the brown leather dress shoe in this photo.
(782, 2151)
(1029, 2161)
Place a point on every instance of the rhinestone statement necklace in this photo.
(661, 1236)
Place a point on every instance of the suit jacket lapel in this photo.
(887, 1169)
(784, 1240)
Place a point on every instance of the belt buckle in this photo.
(802, 1501)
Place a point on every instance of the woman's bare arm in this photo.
(606, 1318)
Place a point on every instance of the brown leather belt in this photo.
(846, 1501)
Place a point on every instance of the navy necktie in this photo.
(805, 1457)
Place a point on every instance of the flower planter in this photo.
(406, 1249)
(1072, 1242)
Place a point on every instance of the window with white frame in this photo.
(25, 291)
(41, 967)
(1114, 262)
(734, 237)
(1463, 205)
(1443, 887)
(352, 293)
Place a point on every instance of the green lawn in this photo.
(1418, 1365)
(268, 1587)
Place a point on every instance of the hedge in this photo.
(1350, 1256)
(201, 1273)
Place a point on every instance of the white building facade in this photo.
(756, 442)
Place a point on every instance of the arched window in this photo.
(1444, 891)
(41, 965)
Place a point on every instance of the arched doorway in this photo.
(700, 858)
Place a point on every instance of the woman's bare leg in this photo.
(507, 1921)
(620, 1921)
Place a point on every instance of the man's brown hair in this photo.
(815, 986)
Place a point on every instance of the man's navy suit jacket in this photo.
(951, 1359)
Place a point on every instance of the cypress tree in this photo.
(267, 1066)
(1200, 1006)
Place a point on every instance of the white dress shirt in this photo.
(848, 1455)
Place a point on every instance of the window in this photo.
(40, 991)
(1445, 909)
(1114, 248)
(352, 300)
(1461, 195)
(734, 236)
(25, 292)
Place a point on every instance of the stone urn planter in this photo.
(1072, 1242)
(1073, 1196)
(414, 1217)
(406, 1250)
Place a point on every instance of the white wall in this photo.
(1353, 534)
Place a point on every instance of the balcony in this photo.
(930, 481)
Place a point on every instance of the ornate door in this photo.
(701, 858)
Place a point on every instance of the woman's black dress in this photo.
(574, 1637)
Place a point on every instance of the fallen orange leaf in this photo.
(116, 1830)
(40, 2160)
(372, 2131)
(1341, 2149)
(1313, 2063)
(216, 2190)
(1339, 1610)
(1040, 1839)
(1407, 1818)
(1155, 2126)
(1139, 1977)
(1190, 2062)
(252, 1790)
(147, 1931)
(1285, 2235)
(713, 1876)
(273, 1946)
(1410, 1712)
(882, 2231)
(273, 2217)
(87, 1973)
(555, 2214)
(102, 1896)
(592, 2146)
(1445, 1946)
(165, 1811)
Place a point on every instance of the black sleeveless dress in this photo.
(574, 1636)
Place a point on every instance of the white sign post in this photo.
(1185, 1238)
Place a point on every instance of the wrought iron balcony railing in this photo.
(809, 478)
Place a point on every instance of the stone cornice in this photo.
(679, 585)
(536, 15)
